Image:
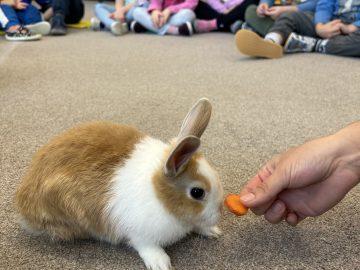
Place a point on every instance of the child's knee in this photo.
(250, 13)
(187, 14)
(139, 12)
(290, 15)
(98, 6)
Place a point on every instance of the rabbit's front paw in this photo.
(211, 232)
(155, 258)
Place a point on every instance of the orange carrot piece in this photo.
(234, 205)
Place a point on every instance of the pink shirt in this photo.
(173, 5)
(223, 7)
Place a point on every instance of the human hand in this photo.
(329, 30)
(262, 9)
(275, 12)
(156, 17)
(118, 14)
(166, 15)
(20, 5)
(308, 180)
(347, 29)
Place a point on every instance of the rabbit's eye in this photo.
(197, 193)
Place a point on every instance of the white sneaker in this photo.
(118, 28)
(43, 28)
(95, 24)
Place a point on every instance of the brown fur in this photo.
(67, 184)
(171, 191)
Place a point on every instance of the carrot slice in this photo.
(233, 203)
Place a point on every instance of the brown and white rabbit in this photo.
(114, 183)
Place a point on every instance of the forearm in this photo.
(119, 4)
(348, 148)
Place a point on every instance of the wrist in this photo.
(348, 148)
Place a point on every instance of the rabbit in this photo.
(113, 183)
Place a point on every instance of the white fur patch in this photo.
(211, 213)
(134, 210)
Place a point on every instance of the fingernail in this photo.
(247, 197)
(277, 207)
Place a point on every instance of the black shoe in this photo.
(58, 27)
(186, 29)
(137, 27)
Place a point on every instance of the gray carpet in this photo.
(260, 108)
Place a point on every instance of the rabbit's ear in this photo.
(180, 155)
(197, 119)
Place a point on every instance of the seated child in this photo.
(172, 17)
(335, 29)
(219, 15)
(18, 17)
(115, 19)
(262, 17)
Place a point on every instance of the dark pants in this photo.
(303, 24)
(204, 12)
(72, 10)
(29, 15)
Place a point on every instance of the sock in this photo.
(320, 45)
(274, 37)
(202, 26)
(172, 30)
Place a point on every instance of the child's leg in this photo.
(142, 16)
(204, 12)
(179, 23)
(9, 20)
(224, 21)
(261, 25)
(343, 45)
(76, 11)
(29, 15)
(289, 22)
(12, 25)
(103, 11)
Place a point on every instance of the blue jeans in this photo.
(103, 11)
(142, 16)
(29, 15)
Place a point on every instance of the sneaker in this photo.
(251, 44)
(43, 28)
(297, 43)
(58, 26)
(118, 28)
(236, 26)
(95, 24)
(186, 29)
(137, 27)
(22, 34)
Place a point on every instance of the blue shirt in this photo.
(348, 11)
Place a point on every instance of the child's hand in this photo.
(275, 12)
(17, 4)
(156, 17)
(118, 15)
(347, 29)
(329, 30)
(262, 9)
(166, 15)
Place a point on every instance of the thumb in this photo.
(263, 190)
